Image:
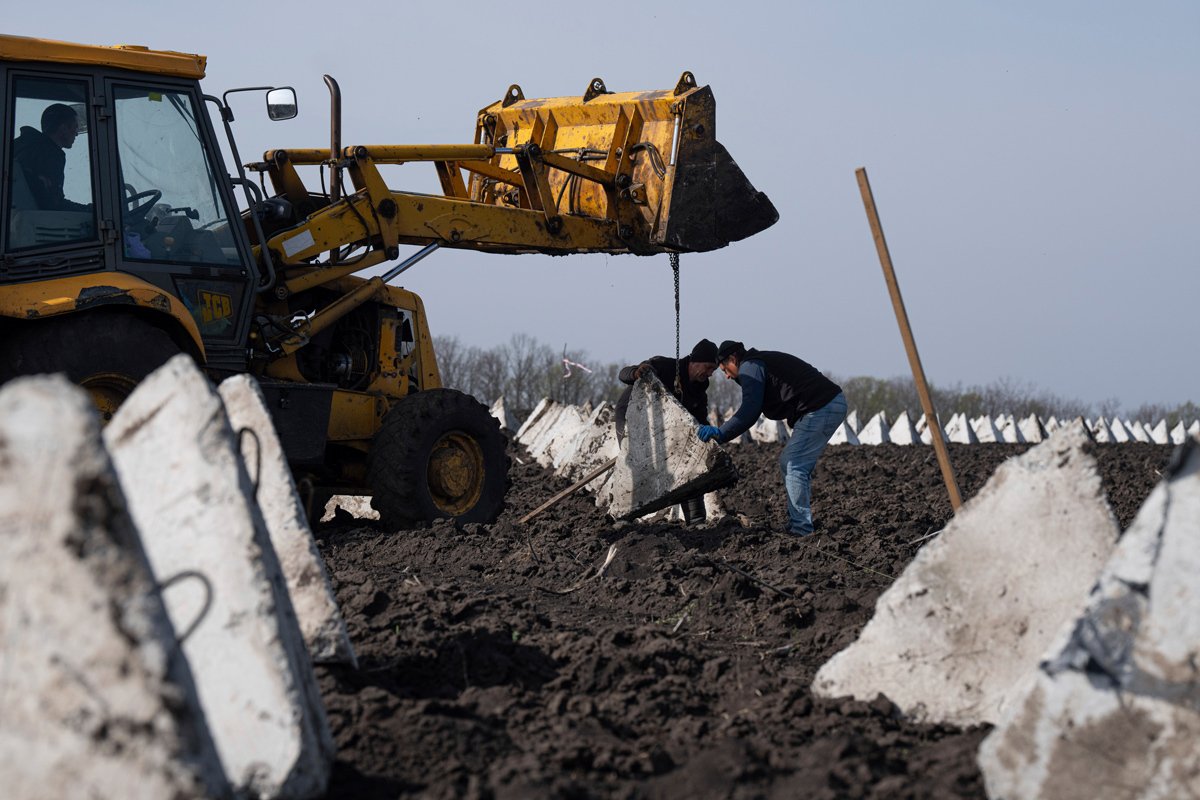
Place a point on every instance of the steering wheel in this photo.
(135, 211)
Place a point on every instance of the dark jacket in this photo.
(694, 397)
(793, 386)
(44, 164)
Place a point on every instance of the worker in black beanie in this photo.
(782, 387)
(686, 378)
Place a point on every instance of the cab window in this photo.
(50, 165)
(171, 206)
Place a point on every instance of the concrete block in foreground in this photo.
(308, 584)
(95, 697)
(954, 637)
(1113, 711)
(661, 461)
(192, 501)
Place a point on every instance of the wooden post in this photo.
(910, 344)
(570, 490)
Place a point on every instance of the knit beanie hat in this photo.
(730, 348)
(705, 352)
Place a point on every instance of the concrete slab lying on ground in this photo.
(952, 639)
(662, 461)
(308, 584)
(546, 447)
(595, 445)
(96, 699)
(1114, 709)
(542, 417)
(192, 501)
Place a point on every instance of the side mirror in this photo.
(281, 103)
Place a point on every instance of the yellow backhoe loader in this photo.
(121, 244)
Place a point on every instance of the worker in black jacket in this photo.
(693, 370)
(782, 387)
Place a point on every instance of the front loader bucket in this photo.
(647, 162)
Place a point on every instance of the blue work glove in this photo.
(708, 433)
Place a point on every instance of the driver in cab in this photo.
(42, 157)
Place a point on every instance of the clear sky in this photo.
(1035, 165)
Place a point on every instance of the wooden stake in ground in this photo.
(570, 490)
(910, 344)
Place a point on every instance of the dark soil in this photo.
(495, 665)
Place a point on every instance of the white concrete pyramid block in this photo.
(1139, 432)
(1032, 429)
(1120, 433)
(1194, 428)
(662, 461)
(959, 430)
(768, 431)
(985, 429)
(875, 431)
(192, 501)
(1052, 424)
(1158, 434)
(1178, 433)
(852, 420)
(508, 421)
(1113, 710)
(95, 698)
(922, 423)
(308, 584)
(1010, 431)
(953, 637)
(1101, 432)
(539, 411)
(844, 435)
(903, 431)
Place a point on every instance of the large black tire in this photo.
(439, 454)
(107, 353)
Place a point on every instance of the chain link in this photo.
(678, 367)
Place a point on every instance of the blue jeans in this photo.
(800, 454)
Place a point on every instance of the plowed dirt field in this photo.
(495, 664)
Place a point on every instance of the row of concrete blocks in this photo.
(658, 463)
(162, 600)
(1033, 613)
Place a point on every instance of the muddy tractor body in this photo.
(125, 240)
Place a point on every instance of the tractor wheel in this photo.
(438, 454)
(107, 354)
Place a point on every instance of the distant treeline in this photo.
(524, 370)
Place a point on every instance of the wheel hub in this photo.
(108, 390)
(456, 473)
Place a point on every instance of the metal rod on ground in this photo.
(910, 344)
(572, 489)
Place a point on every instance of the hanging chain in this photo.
(678, 367)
